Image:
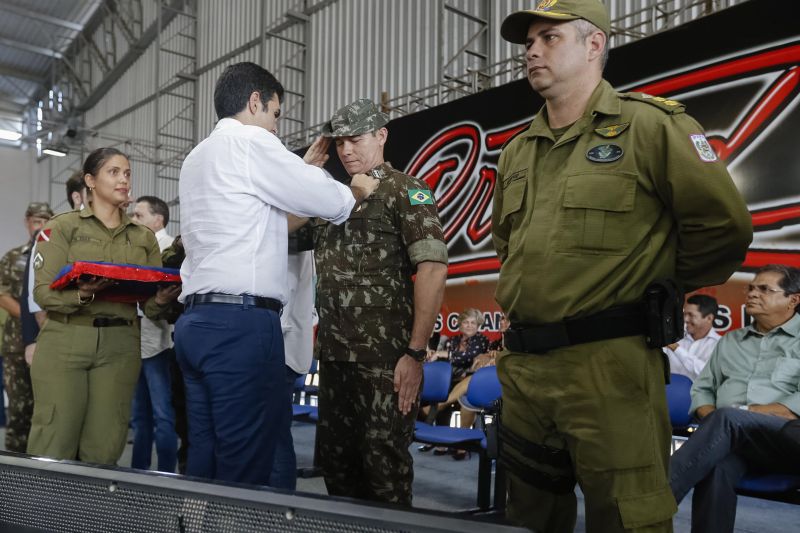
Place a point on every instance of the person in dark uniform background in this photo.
(603, 194)
(16, 375)
(87, 358)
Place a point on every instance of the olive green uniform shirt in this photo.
(365, 292)
(577, 236)
(12, 272)
(80, 236)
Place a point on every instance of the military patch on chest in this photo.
(38, 261)
(612, 131)
(604, 153)
(420, 197)
(44, 235)
(703, 148)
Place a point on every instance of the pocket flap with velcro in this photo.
(607, 191)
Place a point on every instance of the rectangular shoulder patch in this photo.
(703, 147)
(420, 197)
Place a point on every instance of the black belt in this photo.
(85, 320)
(234, 299)
(623, 321)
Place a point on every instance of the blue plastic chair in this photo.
(436, 381)
(482, 392)
(776, 487)
(679, 399)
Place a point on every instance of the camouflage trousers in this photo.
(17, 381)
(363, 438)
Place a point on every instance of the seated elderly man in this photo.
(743, 398)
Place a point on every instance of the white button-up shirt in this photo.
(156, 334)
(236, 188)
(691, 356)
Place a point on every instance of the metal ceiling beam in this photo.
(30, 48)
(134, 52)
(27, 75)
(22, 12)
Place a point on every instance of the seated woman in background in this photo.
(462, 350)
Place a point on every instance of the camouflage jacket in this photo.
(12, 272)
(365, 292)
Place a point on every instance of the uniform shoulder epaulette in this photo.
(59, 215)
(664, 104)
(521, 131)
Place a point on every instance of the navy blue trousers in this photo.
(233, 366)
(153, 416)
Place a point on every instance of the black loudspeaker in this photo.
(43, 495)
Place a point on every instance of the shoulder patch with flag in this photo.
(420, 197)
(44, 235)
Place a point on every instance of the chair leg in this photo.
(499, 487)
(484, 481)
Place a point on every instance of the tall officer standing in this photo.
(603, 194)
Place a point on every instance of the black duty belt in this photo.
(86, 320)
(234, 299)
(622, 321)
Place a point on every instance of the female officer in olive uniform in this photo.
(87, 357)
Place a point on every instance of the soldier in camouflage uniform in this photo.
(374, 321)
(16, 374)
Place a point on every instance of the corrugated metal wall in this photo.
(358, 48)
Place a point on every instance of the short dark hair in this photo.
(707, 305)
(790, 280)
(95, 160)
(157, 206)
(75, 183)
(237, 82)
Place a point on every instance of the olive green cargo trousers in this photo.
(605, 403)
(83, 382)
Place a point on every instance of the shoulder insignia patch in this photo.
(665, 104)
(44, 235)
(420, 197)
(613, 130)
(38, 261)
(703, 147)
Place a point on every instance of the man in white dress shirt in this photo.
(240, 191)
(689, 355)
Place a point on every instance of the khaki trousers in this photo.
(83, 383)
(605, 403)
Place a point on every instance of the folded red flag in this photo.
(135, 283)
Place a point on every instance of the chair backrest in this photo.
(436, 381)
(300, 382)
(484, 387)
(679, 398)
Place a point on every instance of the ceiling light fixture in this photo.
(10, 135)
(56, 151)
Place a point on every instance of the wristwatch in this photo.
(417, 355)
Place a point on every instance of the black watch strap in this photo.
(418, 355)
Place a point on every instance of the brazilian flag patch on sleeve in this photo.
(420, 197)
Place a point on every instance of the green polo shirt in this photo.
(750, 367)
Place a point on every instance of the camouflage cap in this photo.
(515, 27)
(39, 209)
(362, 116)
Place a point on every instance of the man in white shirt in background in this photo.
(239, 190)
(152, 411)
(689, 355)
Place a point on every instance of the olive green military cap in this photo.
(362, 116)
(39, 209)
(515, 27)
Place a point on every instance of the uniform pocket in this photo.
(366, 314)
(647, 509)
(368, 224)
(597, 211)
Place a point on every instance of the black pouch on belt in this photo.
(663, 301)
